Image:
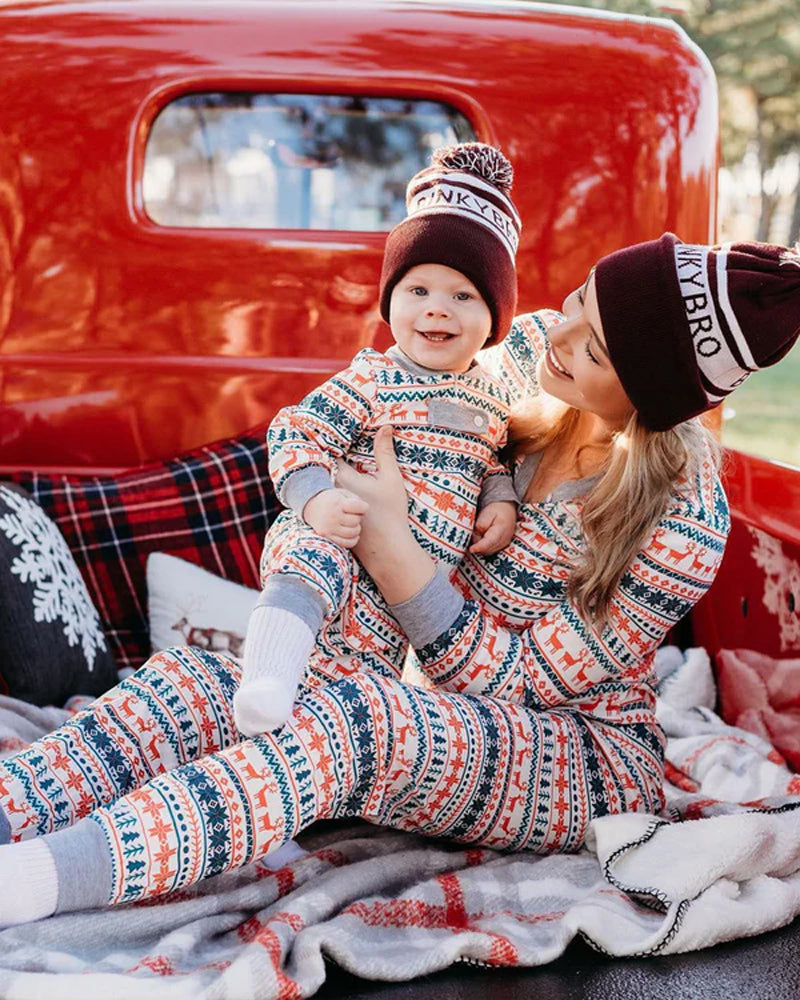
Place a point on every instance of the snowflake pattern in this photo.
(781, 577)
(46, 561)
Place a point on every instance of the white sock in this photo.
(28, 882)
(276, 651)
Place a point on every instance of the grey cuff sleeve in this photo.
(431, 611)
(497, 487)
(300, 486)
(83, 864)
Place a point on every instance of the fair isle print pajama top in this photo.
(537, 725)
(448, 429)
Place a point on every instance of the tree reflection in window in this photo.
(291, 161)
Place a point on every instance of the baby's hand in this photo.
(494, 527)
(336, 514)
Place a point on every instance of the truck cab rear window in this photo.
(290, 161)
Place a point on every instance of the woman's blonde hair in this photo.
(639, 477)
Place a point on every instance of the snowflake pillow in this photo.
(51, 643)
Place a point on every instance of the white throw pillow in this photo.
(188, 606)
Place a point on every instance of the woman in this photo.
(543, 713)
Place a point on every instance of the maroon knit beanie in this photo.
(460, 214)
(685, 324)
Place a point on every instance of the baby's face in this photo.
(439, 318)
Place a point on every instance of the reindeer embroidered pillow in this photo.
(188, 606)
(52, 644)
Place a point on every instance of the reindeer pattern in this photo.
(216, 640)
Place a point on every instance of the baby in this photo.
(448, 288)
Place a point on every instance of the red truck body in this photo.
(124, 341)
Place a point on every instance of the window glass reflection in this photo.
(291, 161)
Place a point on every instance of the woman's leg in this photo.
(176, 708)
(201, 818)
(471, 769)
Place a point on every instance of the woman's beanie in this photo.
(459, 213)
(685, 324)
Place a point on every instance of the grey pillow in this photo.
(52, 644)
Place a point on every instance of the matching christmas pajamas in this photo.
(538, 723)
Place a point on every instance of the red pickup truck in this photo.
(194, 199)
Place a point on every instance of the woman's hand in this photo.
(384, 490)
(386, 548)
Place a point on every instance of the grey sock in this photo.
(5, 829)
(83, 863)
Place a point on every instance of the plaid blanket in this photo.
(210, 506)
(722, 861)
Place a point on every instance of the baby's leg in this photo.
(306, 579)
(364, 637)
(176, 708)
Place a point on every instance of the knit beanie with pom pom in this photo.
(459, 213)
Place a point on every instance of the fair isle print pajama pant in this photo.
(159, 767)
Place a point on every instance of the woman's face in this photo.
(577, 368)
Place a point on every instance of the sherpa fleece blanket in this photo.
(722, 861)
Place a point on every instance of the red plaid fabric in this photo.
(210, 506)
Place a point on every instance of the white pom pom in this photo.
(791, 255)
(476, 158)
